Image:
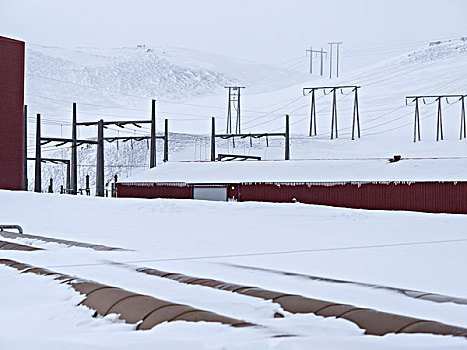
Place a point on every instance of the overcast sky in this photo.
(267, 31)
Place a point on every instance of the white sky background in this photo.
(274, 31)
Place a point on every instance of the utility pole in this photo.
(337, 54)
(100, 159)
(74, 154)
(37, 169)
(152, 156)
(234, 101)
(321, 52)
(311, 59)
(330, 60)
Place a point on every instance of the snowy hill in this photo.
(386, 120)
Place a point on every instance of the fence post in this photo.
(115, 186)
(88, 190)
(68, 180)
(38, 164)
(51, 185)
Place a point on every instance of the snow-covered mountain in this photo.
(386, 120)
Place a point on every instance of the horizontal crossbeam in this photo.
(62, 141)
(119, 123)
(255, 136)
(435, 96)
(135, 138)
(230, 157)
(307, 90)
(52, 160)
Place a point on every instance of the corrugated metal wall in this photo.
(154, 191)
(434, 197)
(11, 113)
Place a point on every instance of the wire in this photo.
(283, 252)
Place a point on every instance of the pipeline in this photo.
(372, 321)
(4, 245)
(416, 294)
(133, 308)
(20, 234)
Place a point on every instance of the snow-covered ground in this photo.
(416, 251)
(424, 252)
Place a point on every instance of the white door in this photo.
(210, 193)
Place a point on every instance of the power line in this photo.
(283, 252)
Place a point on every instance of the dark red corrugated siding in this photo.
(434, 197)
(151, 191)
(11, 113)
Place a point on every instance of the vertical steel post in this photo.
(439, 125)
(313, 114)
(152, 155)
(463, 127)
(38, 164)
(287, 138)
(416, 126)
(229, 115)
(311, 60)
(334, 114)
(25, 148)
(238, 128)
(330, 62)
(321, 61)
(100, 159)
(51, 186)
(166, 140)
(73, 189)
(68, 177)
(213, 139)
(337, 60)
(356, 115)
(88, 190)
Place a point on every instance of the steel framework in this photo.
(332, 89)
(252, 136)
(439, 120)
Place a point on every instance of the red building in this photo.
(11, 113)
(419, 185)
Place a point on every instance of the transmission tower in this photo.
(234, 102)
(330, 59)
(321, 52)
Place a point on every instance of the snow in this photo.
(386, 120)
(417, 251)
(304, 171)
(190, 237)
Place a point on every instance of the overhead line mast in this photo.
(321, 52)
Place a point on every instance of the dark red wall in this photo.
(434, 197)
(160, 191)
(11, 113)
